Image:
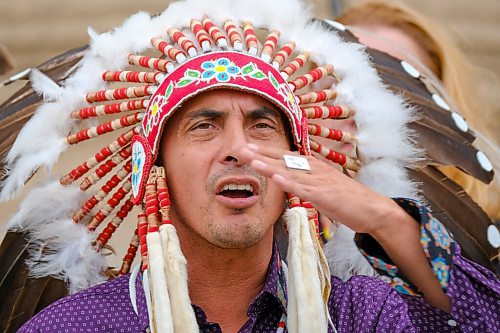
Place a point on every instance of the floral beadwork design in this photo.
(153, 115)
(138, 159)
(135, 169)
(222, 70)
(287, 94)
(253, 71)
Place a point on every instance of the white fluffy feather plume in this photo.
(58, 246)
(344, 258)
(381, 117)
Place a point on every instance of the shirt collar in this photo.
(274, 288)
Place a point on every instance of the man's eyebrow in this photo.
(205, 113)
(264, 112)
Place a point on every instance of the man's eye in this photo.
(263, 125)
(202, 126)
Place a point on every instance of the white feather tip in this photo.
(45, 86)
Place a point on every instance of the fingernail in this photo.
(252, 147)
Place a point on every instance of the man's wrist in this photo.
(394, 224)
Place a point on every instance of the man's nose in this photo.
(234, 140)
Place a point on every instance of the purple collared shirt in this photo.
(361, 304)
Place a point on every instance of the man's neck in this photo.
(223, 282)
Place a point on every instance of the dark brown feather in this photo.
(22, 296)
(410, 89)
(441, 148)
(459, 213)
(345, 34)
(35, 295)
(6, 61)
(428, 109)
(437, 134)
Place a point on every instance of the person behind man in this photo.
(397, 29)
(224, 148)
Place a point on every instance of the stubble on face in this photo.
(249, 234)
(251, 227)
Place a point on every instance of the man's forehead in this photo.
(225, 101)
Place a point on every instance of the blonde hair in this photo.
(459, 77)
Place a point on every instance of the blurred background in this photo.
(32, 32)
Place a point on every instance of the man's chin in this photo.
(235, 237)
(234, 244)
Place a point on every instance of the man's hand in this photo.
(344, 200)
(331, 192)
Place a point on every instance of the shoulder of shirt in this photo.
(366, 294)
(118, 284)
(108, 288)
(361, 283)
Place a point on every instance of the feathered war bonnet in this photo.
(271, 49)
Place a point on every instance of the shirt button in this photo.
(452, 323)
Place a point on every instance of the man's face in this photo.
(214, 195)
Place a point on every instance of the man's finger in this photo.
(276, 153)
(269, 167)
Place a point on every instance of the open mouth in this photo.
(236, 191)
